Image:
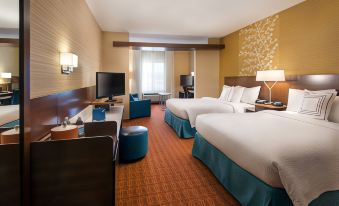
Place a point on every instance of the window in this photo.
(153, 72)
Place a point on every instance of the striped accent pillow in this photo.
(317, 105)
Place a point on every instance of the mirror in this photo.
(9, 103)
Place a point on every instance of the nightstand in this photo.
(260, 107)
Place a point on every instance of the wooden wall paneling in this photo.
(45, 115)
(280, 91)
(71, 103)
(52, 109)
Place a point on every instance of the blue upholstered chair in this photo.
(139, 108)
(133, 143)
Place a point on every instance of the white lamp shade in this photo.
(271, 75)
(192, 74)
(6, 75)
(68, 59)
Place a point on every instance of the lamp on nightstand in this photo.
(271, 76)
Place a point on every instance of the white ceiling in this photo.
(204, 18)
(9, 14)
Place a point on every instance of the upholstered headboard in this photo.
(280, 91)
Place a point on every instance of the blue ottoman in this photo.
(133, 143)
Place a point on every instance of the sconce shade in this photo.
(192, 74)
(6, 75)
(271, 75)
(68, 59)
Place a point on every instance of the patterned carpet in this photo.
(169, 174)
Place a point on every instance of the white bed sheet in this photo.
(8, 113)
(190, 108)
(283, 150)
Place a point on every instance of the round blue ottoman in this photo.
(133, 143)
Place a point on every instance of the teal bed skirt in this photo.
(245, 187)
(181, 126)
(11, 124)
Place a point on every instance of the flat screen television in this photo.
(186, 81)
(109, 85)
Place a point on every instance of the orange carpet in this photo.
(169, 174)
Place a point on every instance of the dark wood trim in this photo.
(50, 110)
(280, 91)
(15, 42)
(25, 126)
(172, 47)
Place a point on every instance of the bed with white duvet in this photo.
(8, 113)
(295, 151)
(181, 114)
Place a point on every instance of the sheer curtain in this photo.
(152, 72)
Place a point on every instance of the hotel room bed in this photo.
(8, 113)
(181, 114)
(270, 157)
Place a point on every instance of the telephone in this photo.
(260, 101)
(277, 104)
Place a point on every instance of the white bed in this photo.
(8, 113)
(283, 149)
(189, 109)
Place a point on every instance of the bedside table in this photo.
(260, 107)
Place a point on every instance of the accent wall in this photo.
(301, 40)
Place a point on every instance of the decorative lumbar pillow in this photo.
(295, 99)
(317, 105)
(334, 114)
(237, 94)
(250, 95)
(226, 91)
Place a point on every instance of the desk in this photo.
(114, 114)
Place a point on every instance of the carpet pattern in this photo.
(169, 174)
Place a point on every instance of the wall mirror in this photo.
(9, 103)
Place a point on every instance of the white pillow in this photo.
(317, 105)
(236, 94)
(334, 114)
(295, 99)
(250, 95)
(226, 91)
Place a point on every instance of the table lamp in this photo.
(270, 76)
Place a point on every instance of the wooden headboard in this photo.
(280, 91)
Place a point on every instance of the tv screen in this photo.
(186, 80)
(110, 84)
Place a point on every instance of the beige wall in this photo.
(62, 26)
(9, 59)
(207, 74)
(182, 66)
(307, 40)
(116, 59)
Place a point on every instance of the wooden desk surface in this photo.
(115, 114)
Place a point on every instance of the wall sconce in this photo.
(192, 74)
(68, 62)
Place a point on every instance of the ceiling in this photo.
(204, 18)
(9, 14)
